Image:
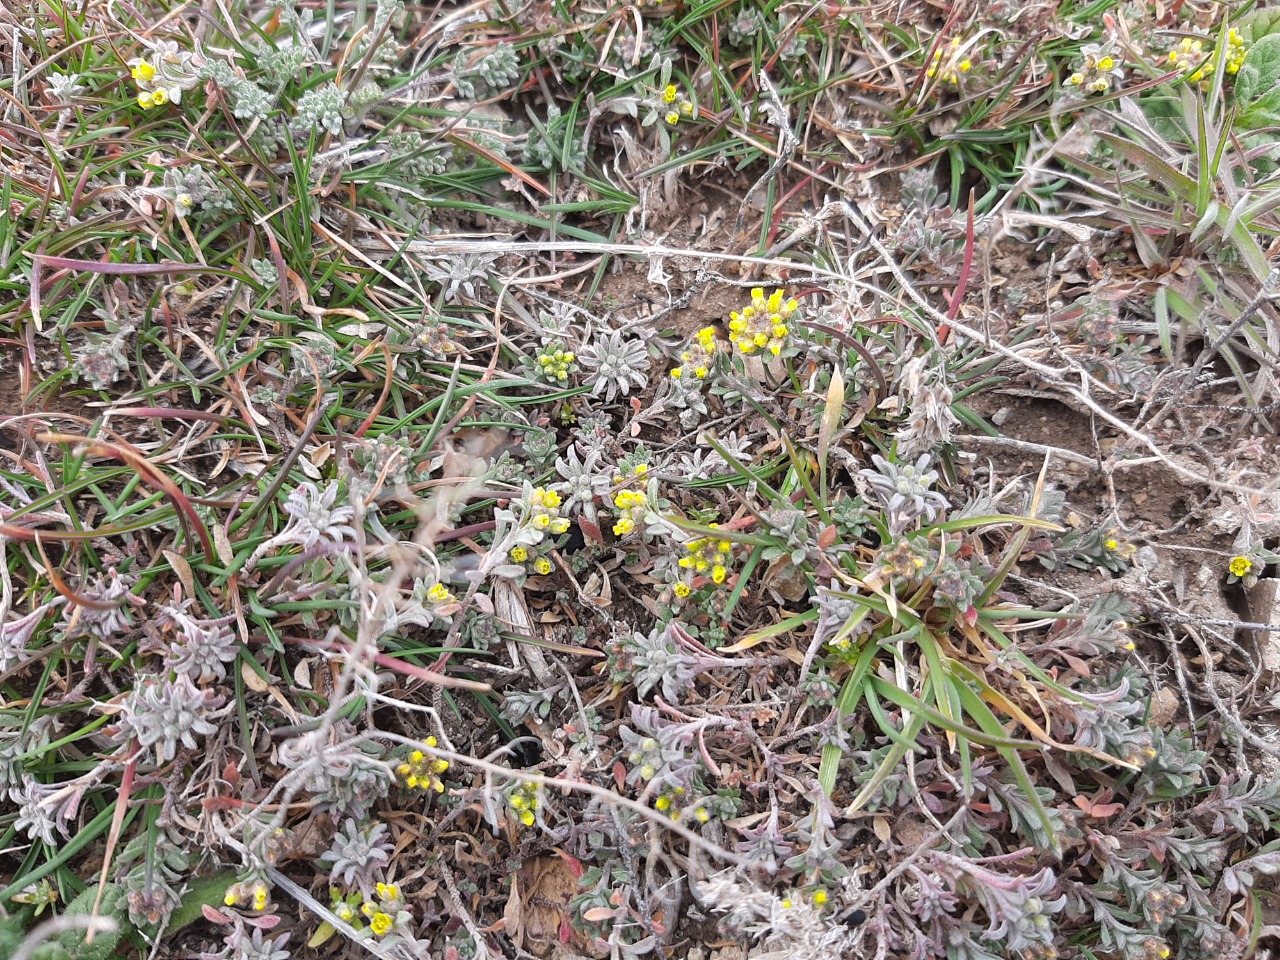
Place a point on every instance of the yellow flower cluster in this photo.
(1121, 548)
(524, 801)
(819, 898)
(707, 556)
(541, 565)
(148, 94)
(381, 915)
(1191, 57)
(544, 511)
(440, 594)
(668, 803)
(701, 354)
(632, 505)
(160, 82)
(1236, 50)
(675, 106)
(949, 62)
(257, 893)
(763, 324)
(1240, 566)
(1098, 71)
(556, 364)
(421, 772)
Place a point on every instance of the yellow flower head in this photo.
(670, 93)
(146, 98)
(542, 566)
(381, 924)
(672, 117)
(421, 772)
(764, 324)
(681, 590)
(1240, 566)
(159, 97)
(388, 891)
(519, 554)
(439, 594)
(143, 72)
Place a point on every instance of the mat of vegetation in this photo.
(699, 479)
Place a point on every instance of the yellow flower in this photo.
(1240, 566)
(718, 573)
(559, 525)
(1106, 63)
(663, 803)
(388, 891)
(677, 372)
(146, 99)
(672, 117)
(527, 818)
(159, 97)
(551, 499)
(764, 323)
(439, 594)
(681, 589)
(381, 923)
(143, 72)
(519, 554)
(260, 896)
(623, 527)
(670, 93)
(686, 108)
(819, 897)
(701, 815)
(422, 772)
(542, 565)
(1076, 79)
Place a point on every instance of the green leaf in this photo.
(1256, 89)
